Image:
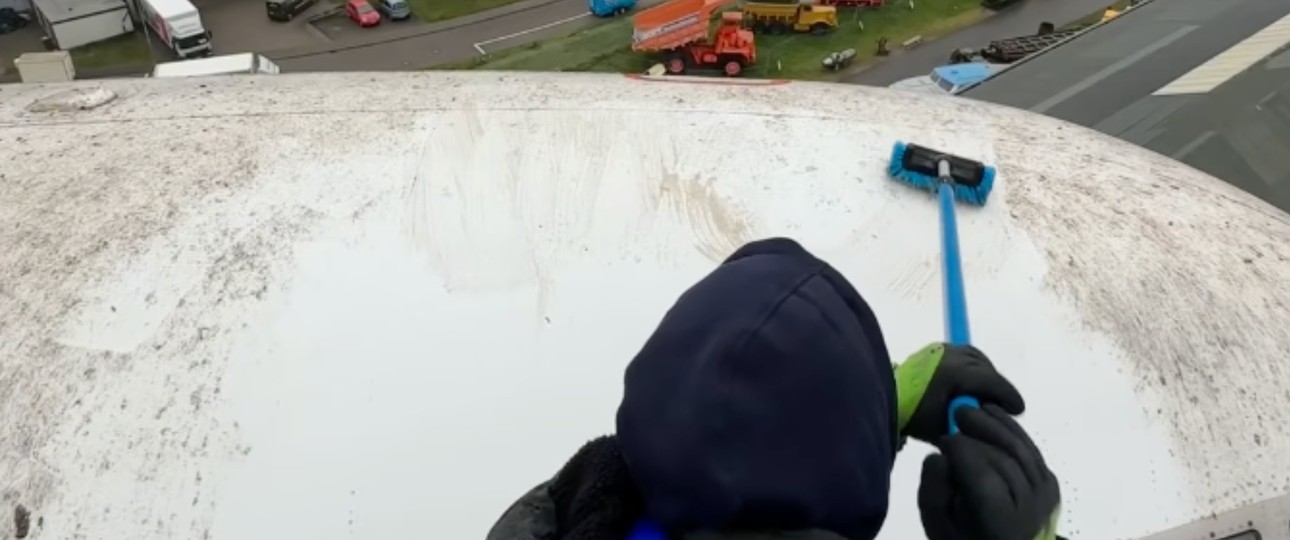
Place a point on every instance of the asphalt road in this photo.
(1107, 79)
(449, 41)
(1018, 20)
(1150, 47)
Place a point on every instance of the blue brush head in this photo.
(898, 171)
(916, 165)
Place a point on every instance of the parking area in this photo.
(242, 26)
(338, 27)
(236, 26)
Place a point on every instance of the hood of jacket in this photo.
(763, 403)
(764, 400)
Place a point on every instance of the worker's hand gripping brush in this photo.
(999, 509)
(950, 177)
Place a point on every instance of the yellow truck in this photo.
(779, 18)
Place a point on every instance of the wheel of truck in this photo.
(619, 11)
(777, 28)
(675, 65)
(820, 28)
(732, 67)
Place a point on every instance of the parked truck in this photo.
(779, 18)
(1007, 51)
(228, 64)
(179, 26)
(678, 30)
(610, 8)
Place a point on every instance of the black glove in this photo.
(988, 483)
(929, 379)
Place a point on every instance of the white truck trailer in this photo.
(178, 25)
(228, 64)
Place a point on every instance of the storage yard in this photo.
(830, 40)
(779, 53)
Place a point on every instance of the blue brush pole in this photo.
(957, 330)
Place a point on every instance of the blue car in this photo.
(609, 8)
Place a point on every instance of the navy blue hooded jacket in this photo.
(764, 401)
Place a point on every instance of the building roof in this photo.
(1117, 79)
(56, 11)
(274, 306)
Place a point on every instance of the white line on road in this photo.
(1111, 69)
(480, 45)
(1232, 62)
(1193, 145)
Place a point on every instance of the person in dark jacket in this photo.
(765, 405)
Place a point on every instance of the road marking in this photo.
(1230, 63)
(480, 45)
(1193, 145)
(1259, 106)
(1111, 69)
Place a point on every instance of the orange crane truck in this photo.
(679, 31)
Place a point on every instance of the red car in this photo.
(362, 13)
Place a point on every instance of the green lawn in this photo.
(124, 50)
(438, 10)
(797, 56)
(603, 47)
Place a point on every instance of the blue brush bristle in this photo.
(971, 195)
(899, 172)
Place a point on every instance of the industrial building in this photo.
(72, 23)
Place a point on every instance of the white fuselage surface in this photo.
(225, 312)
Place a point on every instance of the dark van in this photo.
(284, 10)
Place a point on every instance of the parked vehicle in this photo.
(178, 25)
(679, 30)
(285, 10)
(228, 64)
(362, 13)
(949, 80)
(1007, 51)
(779, 18)
(998, 4)
(11, 20)
(610, 8)
(395, 10)
(852, 3)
